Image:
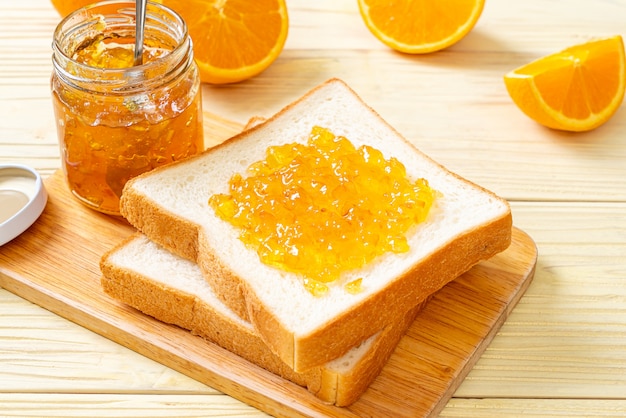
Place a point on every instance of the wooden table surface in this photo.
(562, 352)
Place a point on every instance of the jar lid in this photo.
(22, 199)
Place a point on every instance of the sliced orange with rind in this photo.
(234, 40)
(420, 26)
(65, 7)
(577, 89)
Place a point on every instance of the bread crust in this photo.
(174, 232)
(384, 307)
(351, 326)
(171, 305)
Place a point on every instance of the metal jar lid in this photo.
(22, 199)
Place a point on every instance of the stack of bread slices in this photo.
(188, 267)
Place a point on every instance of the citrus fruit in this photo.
(65, 7)
(234, 39)
(420, 26)
(577, 89)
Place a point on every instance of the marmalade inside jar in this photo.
(108, 137)
(323, 208)
(115, 52)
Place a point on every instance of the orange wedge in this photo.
(234, 39)
(420, 26)
(577, 89)
(65, 7)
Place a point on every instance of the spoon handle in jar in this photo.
(140, 23)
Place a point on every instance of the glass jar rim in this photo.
(159, 18)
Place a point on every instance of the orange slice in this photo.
(65, 7)
(420, 26)
(234, 39)
(577, 89)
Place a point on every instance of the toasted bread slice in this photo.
(147, 277)
(466, 225)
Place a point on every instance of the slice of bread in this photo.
(466, 225)
(147, 277)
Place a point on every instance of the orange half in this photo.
(234, 39)
(577, 89)
(420, 26)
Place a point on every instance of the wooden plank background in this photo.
(563, 349)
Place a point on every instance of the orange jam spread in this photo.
(324, 208)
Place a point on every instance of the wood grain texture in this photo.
(116, 405)
(55, 265)
(209, 406)
(566, 337)
(562, 350)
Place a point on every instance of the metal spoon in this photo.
(140, 23)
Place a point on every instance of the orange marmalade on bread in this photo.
(323, 208)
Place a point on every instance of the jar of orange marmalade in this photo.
(114, 119)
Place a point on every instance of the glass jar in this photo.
(116, 120)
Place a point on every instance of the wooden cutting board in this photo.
(55, 265)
